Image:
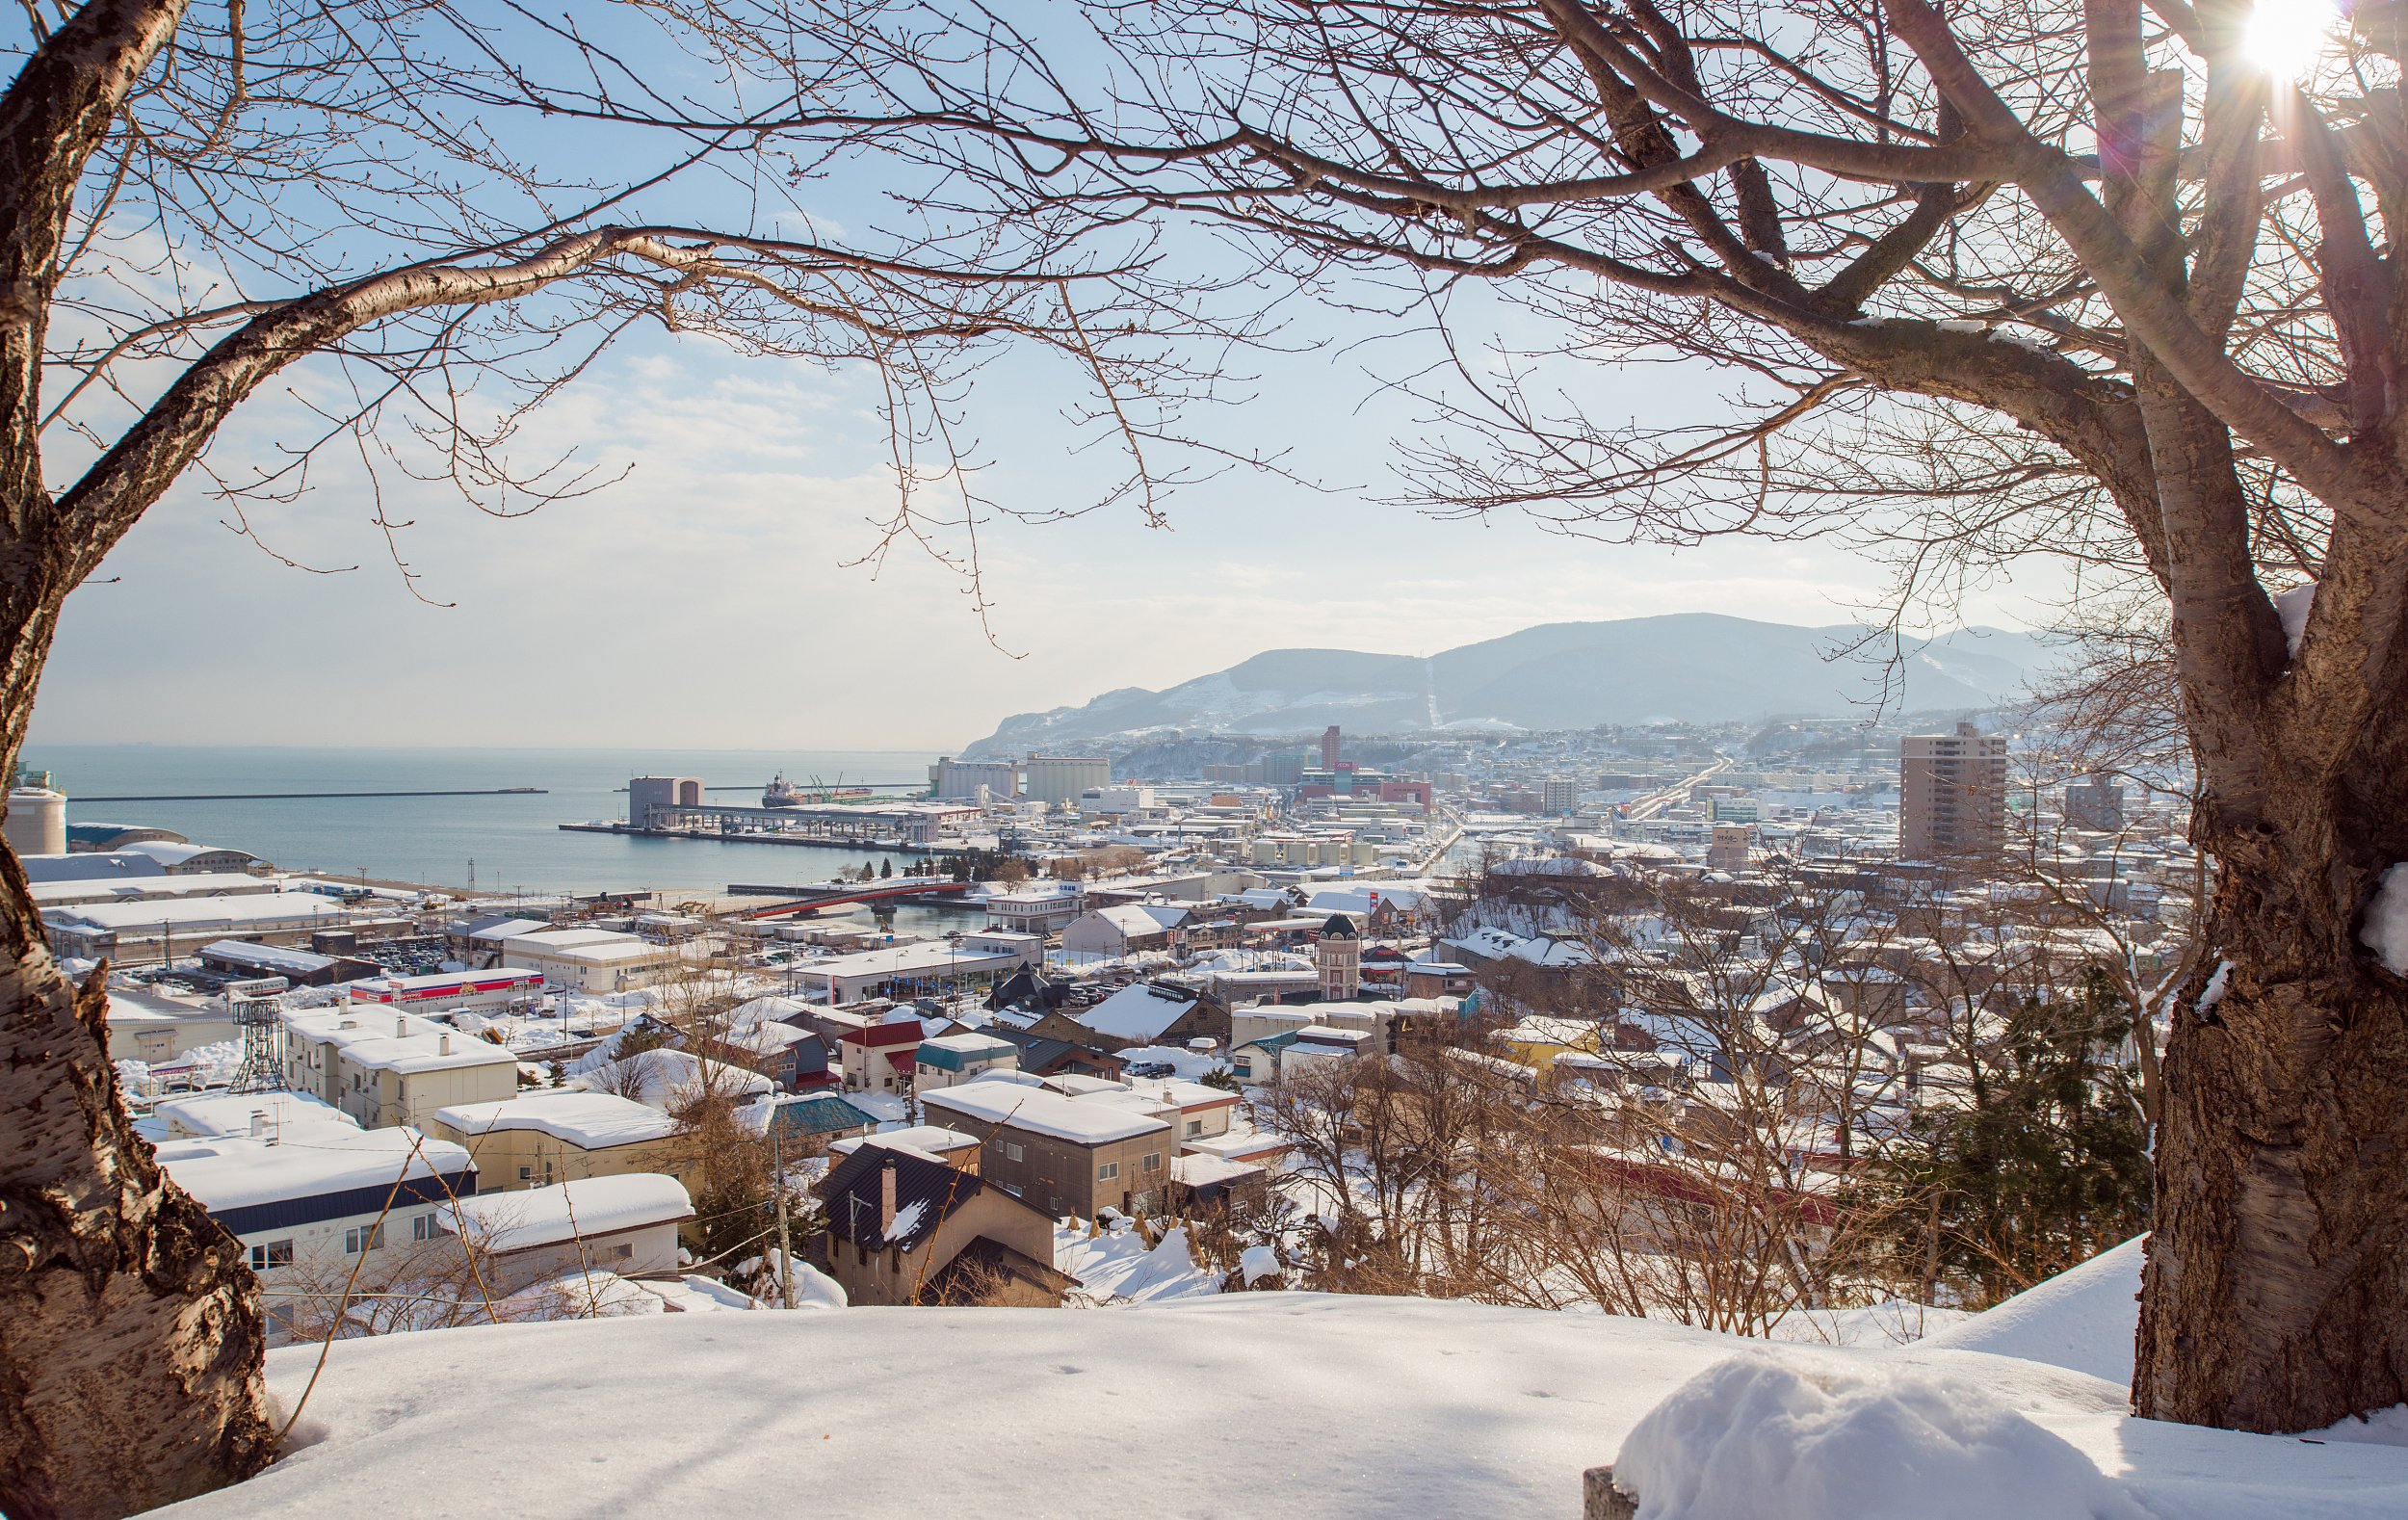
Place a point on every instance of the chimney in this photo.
(443, 1046)
(401, 1028)
(886, 1201)
(258, 1123)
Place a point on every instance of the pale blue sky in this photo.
(703, 599)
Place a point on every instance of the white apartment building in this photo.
(304, 1213)
(386, 1068)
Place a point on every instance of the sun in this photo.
(2286, 38)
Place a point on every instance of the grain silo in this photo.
(37, 821)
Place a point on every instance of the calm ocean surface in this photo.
(514, 840)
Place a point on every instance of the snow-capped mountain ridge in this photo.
(1688, 666)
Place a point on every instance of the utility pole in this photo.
(785, 1246)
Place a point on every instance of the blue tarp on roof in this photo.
(821, 1115)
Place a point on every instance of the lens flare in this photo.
(2286, 38)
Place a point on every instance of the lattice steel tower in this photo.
(257, 1013)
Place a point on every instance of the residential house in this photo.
(903, 1226)
(878, 1057)
(556, 1135)
(623, 1224)
(1059, 1154)
(1109, 934)
(944, 1060)
(1437, 978)
(1154, 1013)
(1046, 1055)
(1275, 1058)
(1196, 1113)
(805, 1118)
(304, 1212)
(951, 1146)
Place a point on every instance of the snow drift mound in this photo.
(2083, 1319)
(1757, 1436)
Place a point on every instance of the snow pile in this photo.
(1258, 1262)
(2293, 607)
(815, 1288)
(2383, 1427)
(577, 1294)
(2386, 930)
(1893, 1322)
(1756, 1436)
(696, 1296)
(1117, 1267)
(2082, 1320)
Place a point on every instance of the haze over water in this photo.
(516, 841)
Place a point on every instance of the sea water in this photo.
(515, 841)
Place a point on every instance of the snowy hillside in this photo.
(1243, 1404)
(1694, 666)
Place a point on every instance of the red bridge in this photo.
(882, 892)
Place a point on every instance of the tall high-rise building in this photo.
(1558, 797)
(1951, 794)
(1329, 748)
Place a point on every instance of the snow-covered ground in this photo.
(1262, 1405)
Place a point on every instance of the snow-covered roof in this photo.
(124, 1013)
(934, 1139)
(1202, 1171)
(1042, 1113)
(1141, 1011)
(587, 1120)
(1135, 918)
(199, 915)
(895, 960)
(1146, 1094)
(279, 959)
(587, 1207)
(507, 928)
(665, 1079)
(229, 1112)
(398, 1042)
(237, 1172)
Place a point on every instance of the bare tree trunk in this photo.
(2276, 1291)
(130, 1336)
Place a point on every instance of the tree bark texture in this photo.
(2275, 1294)
(130, 1334)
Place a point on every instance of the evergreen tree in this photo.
(2043, 1164)
(885, 870)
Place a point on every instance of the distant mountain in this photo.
(1684, 666)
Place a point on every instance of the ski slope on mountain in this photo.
(1258, 1404)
